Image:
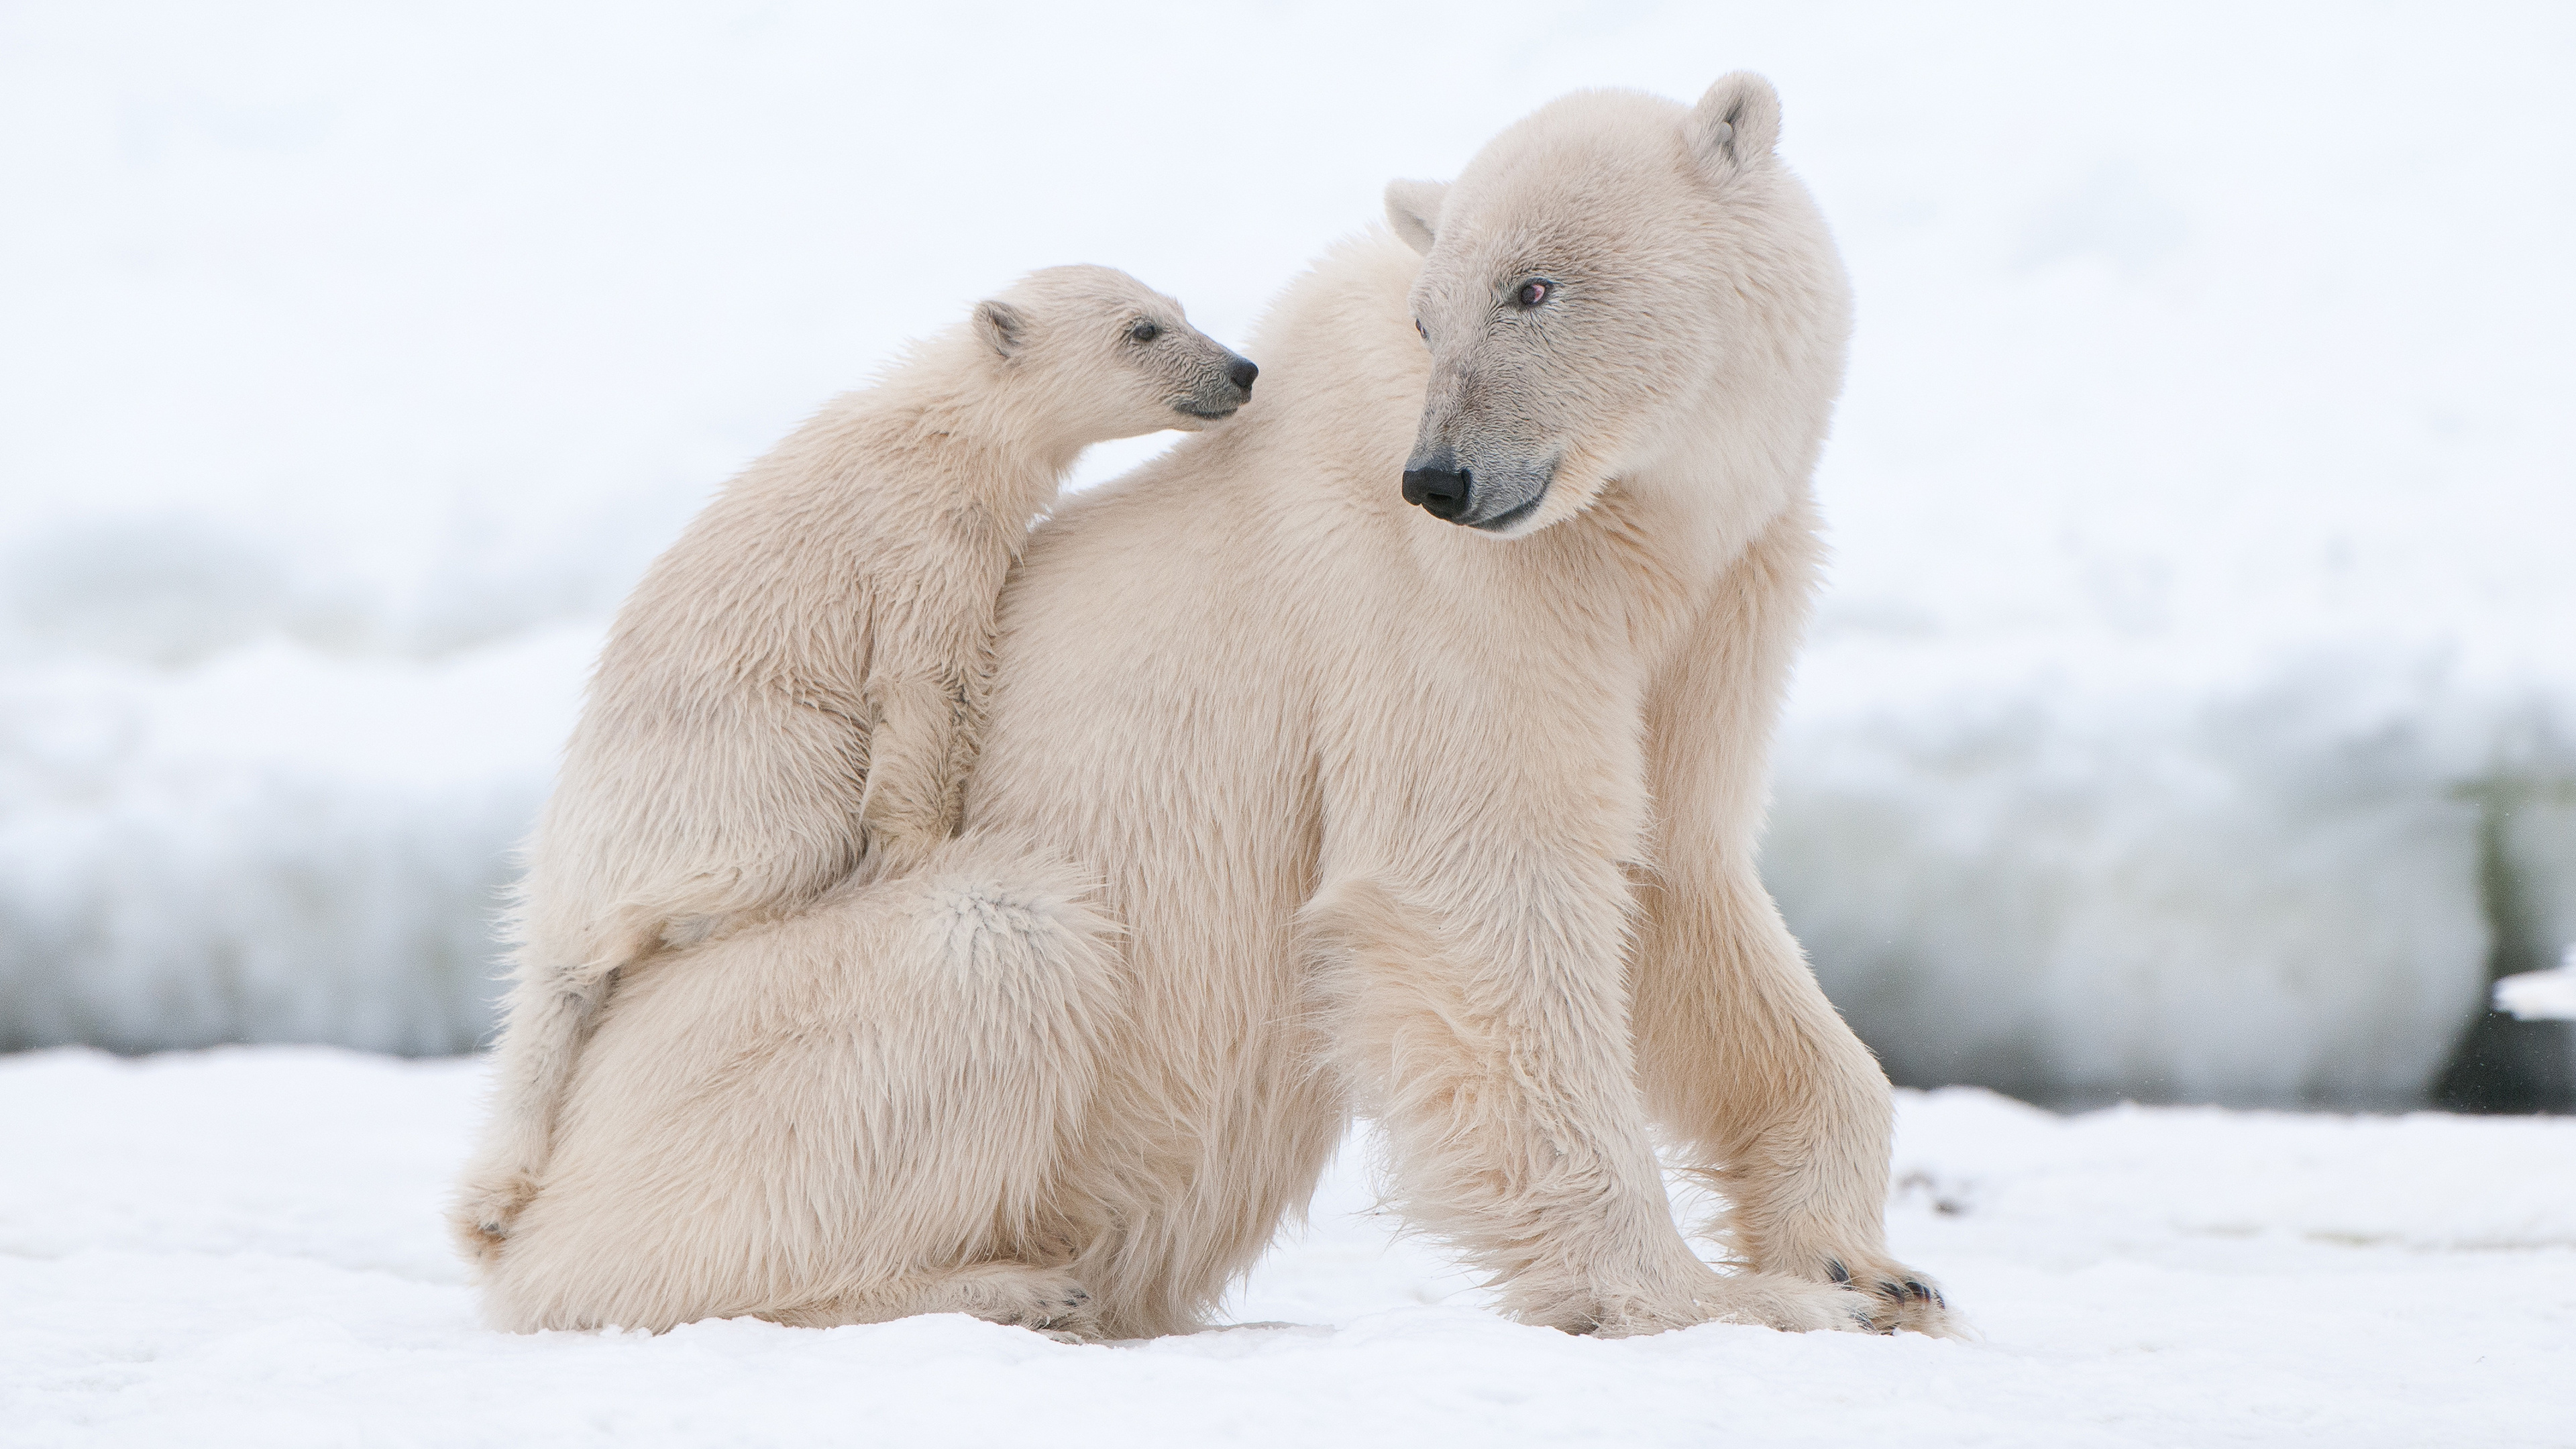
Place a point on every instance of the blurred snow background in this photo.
(2192, 715)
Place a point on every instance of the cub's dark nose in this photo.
(1242, 373)
(1440, 492)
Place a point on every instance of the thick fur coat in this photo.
(1298, 801)
(794, 694)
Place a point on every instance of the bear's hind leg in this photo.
(820, 1119)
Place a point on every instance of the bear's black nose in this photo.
(1440, 492)
(1242, 373)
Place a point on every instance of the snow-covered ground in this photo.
(2197, 660)
(241, 1247)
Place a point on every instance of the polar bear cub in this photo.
(794, 691)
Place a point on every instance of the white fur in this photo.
(795, 691)
(794, 1050)
(1456, 828)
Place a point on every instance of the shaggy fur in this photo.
(795, 691)
(1453, 826)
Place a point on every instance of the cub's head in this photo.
(1104, 356)
(1618, 288)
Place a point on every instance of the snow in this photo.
(241, 1246)
(2195, 657)
(2540, 995)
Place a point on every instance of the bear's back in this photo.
(1163, 637)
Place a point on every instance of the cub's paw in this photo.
(485, 1209)
(1043, 1300)
(1062, 1311)
(1898, 1297)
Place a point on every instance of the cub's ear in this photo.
(1413, 209)
(1736, 124)
(1003, 327)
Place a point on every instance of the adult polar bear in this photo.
(1298, 800)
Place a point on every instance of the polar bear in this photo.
(1300, 801)
(794, 691)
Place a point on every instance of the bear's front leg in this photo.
(1489, 1038)
(919, 749)
(1769, 1093)
(1744, 1063)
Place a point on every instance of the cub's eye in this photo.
(1418, 327)
(1143, 332)
(1535, 291)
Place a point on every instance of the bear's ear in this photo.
(1001, 325)
(1413, 209)
(1736, 124)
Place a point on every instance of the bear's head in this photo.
(1620, 289)
(1100, 355)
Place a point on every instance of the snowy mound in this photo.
(2191, 713)
(2540, 995)
(2107, 873)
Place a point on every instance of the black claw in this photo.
(1891, 1290)
(1835, 1270)
(1918, 1290)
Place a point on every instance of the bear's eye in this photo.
(1418, 327)
(1143, 331)
(1534, 291)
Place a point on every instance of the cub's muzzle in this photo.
(1219, 396)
